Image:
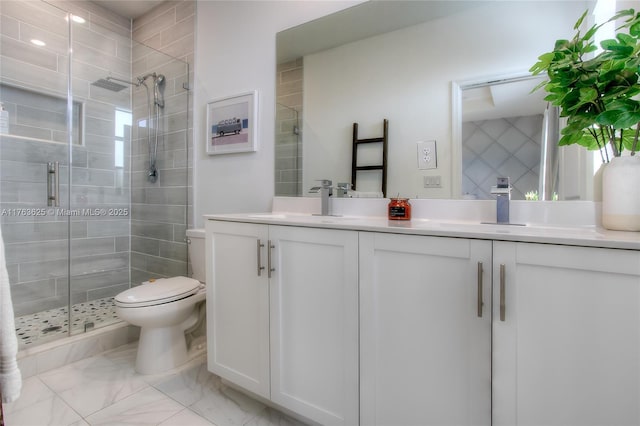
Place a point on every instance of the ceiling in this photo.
(359, 22)
(129, 8)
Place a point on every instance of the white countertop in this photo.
(584, 235)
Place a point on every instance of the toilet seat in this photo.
(162, 290)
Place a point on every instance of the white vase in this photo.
(597, 182)
(621, 194)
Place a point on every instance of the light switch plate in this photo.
(427, 156)
(432, 181)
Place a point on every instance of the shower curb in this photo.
(48, 356)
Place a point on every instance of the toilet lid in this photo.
(162, 290)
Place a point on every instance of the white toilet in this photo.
(164, 309)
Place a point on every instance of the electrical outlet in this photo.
(427, 156)
(432, 181)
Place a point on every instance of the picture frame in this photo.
(232, 124)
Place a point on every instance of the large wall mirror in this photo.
(429, 67)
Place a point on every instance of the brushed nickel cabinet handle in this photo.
(271, 269)
(260, 267)
(480, 290)
(503, 304)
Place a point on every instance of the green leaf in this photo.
(588, 79)
(569, 139)
(562, 45)
(626, 39)
(543, 63)
(624, 105)
(618, 48)
(579, 21)
(588, 95)
(582, 138)
(628, 139)
(590, 33)
(588, 141)
(539, 86)
(619, 119)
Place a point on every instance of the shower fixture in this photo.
(158, 87)
(158, 92)
(106, 83)
(154, 135)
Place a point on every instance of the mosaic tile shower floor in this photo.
(46, 326)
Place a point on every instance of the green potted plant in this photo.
(598, 95)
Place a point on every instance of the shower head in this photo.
(158, 92)
(106, 83)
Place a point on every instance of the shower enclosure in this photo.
(93, 167)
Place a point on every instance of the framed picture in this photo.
(231, 124)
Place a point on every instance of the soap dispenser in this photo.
(4, 120)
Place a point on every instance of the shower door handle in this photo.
(53, 185)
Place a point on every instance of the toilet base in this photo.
(161, 349)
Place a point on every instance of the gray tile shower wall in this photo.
(161, 210)
(288, 161)
(37, 247)
(108, 252)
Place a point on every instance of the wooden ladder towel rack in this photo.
(354, 157)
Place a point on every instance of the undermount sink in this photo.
(469, 226)
(508, 228)
(268, 216)
(298, 217)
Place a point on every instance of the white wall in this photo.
(406, 76)
(235, 53)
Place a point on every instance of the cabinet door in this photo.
(238, 304)
(425, 351)
(314, 323)
(567, 350)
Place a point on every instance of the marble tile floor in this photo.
(106, 390)
(43, 327)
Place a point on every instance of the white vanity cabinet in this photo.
(348, 327)
(238, 304)
(566, 342)
(314, 323)
(283, 315)
(425, 330)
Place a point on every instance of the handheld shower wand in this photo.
(158, 90)
(153, 127)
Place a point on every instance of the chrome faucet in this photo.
(325, 191)
(503, 192)
(343, 189)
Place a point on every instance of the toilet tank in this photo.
(196, 253)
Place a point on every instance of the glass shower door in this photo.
(100, 180)
(129, 174)
(98, 113)
(34, 166)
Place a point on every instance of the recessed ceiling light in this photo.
(78, 19)
(38, 42)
